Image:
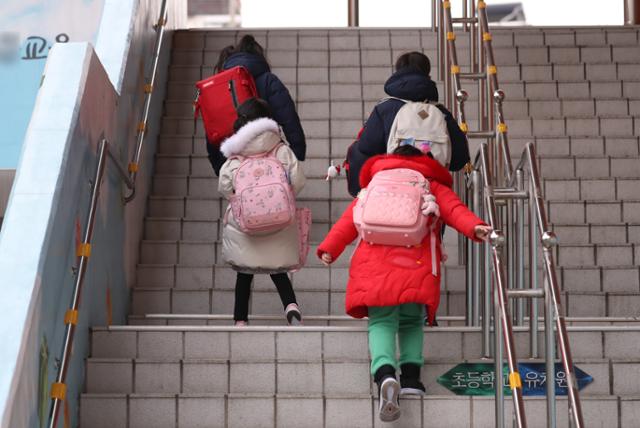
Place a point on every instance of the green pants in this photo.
(384, 323)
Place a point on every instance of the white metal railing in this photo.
(128, 176)
(497, 191)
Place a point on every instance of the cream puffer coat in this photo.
(275, 252)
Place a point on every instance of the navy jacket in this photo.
(407, 84)
(273, 91)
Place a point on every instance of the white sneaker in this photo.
(389, 408)
(240, 324)
(293, 315)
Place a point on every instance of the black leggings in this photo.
(243, 291)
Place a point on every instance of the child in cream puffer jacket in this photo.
(275, 253)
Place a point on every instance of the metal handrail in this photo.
(58, 388)
(148, 92)
(503, 321)
(552, 295)
(494, 181)
(128, 175)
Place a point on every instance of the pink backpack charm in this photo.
(389, 210)
(263, 201)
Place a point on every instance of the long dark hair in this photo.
(225, 53)
(246, 44)
(249, 44)
(415, 60)
(251, 109)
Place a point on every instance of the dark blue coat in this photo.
(273, 91)
(406, 84)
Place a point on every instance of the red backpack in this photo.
(217, 99)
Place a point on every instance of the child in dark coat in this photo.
(249, 54)
(410, 82)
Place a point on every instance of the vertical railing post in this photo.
(631, 12)
(550, 356)
(520, 309)
(549, 242)
(478, 268)
(533, 274)
(498, 358)
(354, 13)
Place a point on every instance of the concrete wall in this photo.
(6, 181)
(86, 95)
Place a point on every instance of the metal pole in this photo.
(549, 241)
(496, 240)
(441, 52)
(631, 12)
(433, 15)
(533, 275)
(498, 360)
(473, 35)
(470, 266)
(477, 248)
(520, 310)
(148, 89)
(486, 316)
(354, 13)
(549, 357)
(71, 316)
(508, 227)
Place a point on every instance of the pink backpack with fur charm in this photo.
(263, 201)
(389, 210)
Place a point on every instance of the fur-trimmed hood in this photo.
(257, 136)
(426, 166)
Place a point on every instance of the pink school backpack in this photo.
(263, 201)
(389, 210)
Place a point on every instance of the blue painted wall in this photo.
(28, 29)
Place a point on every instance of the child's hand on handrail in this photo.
(482, 231)
(326, 259)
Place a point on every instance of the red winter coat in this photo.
(384, 275)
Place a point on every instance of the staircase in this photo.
(576, 93)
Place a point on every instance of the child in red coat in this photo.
(393, 284)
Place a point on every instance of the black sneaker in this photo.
(388, 393)
(410, 380)
(292, 312)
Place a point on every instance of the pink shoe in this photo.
(240, 324)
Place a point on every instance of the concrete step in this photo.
(331, 411)
(312, 301)
(397, 37)
(198, 165)
(579, 300)
(572, 279)
(598, 211)
(520, 108)
(316, 52)
(594, 233)
(507, 73)
(603, 189)
(595, 166)
(313, 375)
(623, 127)
(267, 343)
(564, 145)
(206, 186)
